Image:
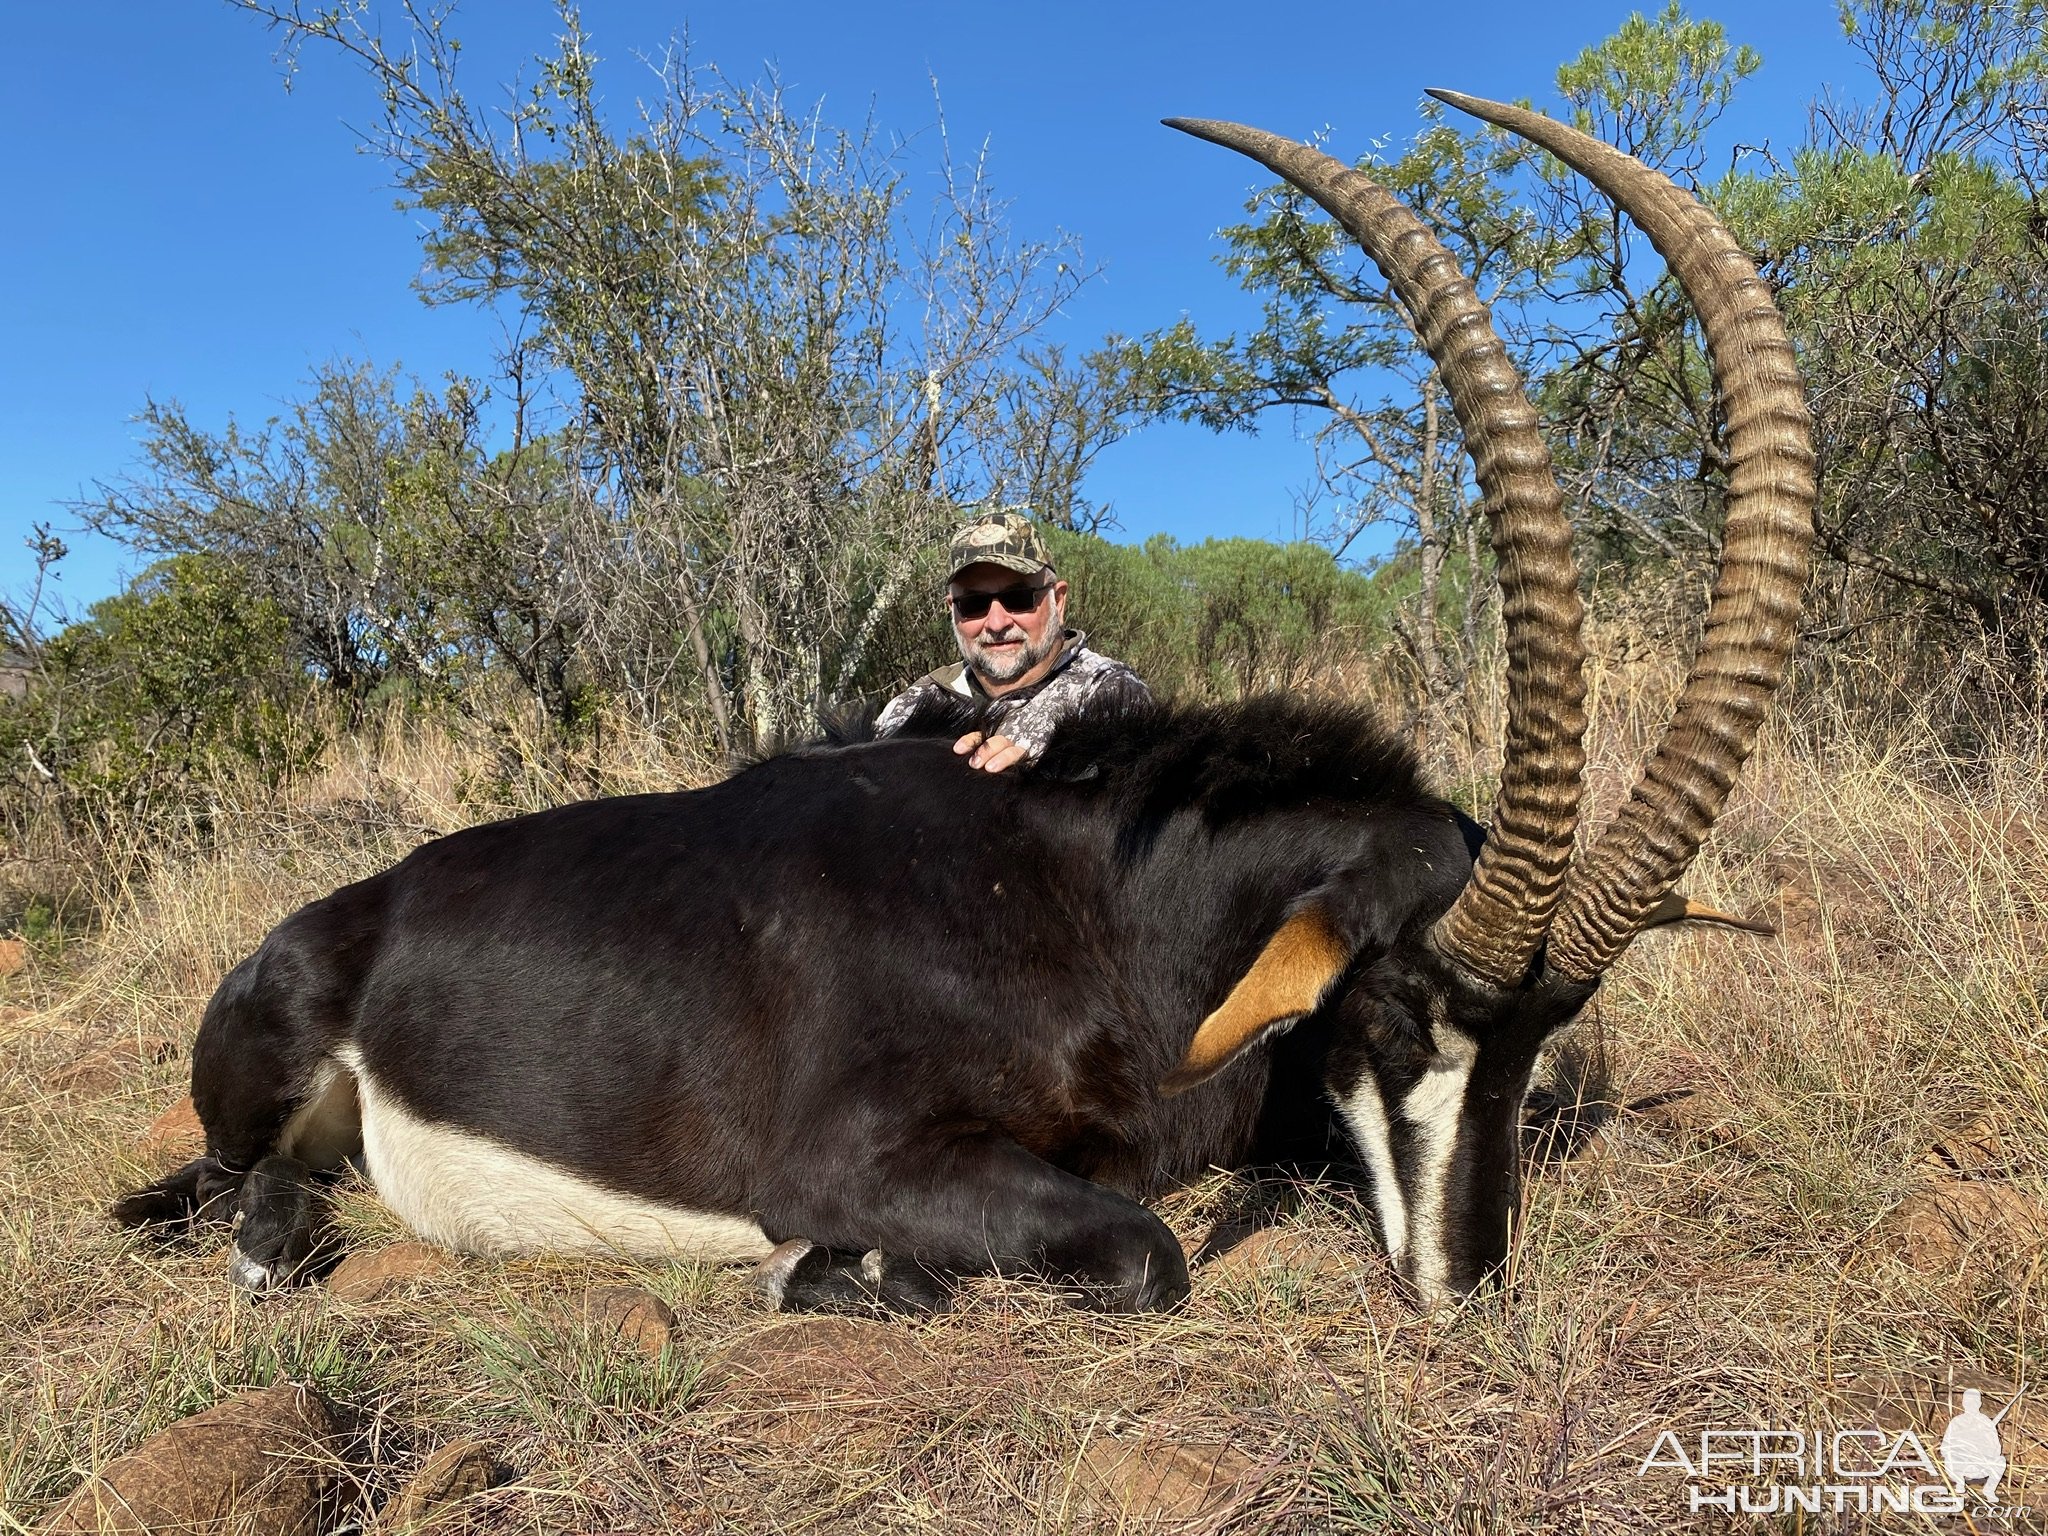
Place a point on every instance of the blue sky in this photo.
(187, 229)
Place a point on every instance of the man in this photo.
(1009, 611)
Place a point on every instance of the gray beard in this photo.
(990, 670)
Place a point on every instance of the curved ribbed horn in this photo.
(1499, 919)
(1753, 616)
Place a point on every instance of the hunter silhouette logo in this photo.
(1970, 1447)
(1870, 1471)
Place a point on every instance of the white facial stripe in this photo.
(1432, 1110)
(1366, 1114)
(476, 1195)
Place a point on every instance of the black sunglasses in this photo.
(975, 605)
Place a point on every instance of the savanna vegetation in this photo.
(1794, 1182)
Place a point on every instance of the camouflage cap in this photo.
(998, 538)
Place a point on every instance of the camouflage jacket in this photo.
(1028, 715)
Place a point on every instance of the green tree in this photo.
(398, 553)
(781, 375)
(1334, 347)
(1907, 239)
(1561, 273)
(1904, 237)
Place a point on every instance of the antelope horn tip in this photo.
(1500, 113)
(1215, 130)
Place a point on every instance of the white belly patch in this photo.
(476, 1195)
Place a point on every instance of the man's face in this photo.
(1006, 647)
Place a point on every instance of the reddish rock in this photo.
(378, 1272)
(263, 1461)
(1154, 1478)
(105, 1067)
(1958, 1225)
(1823, 904)
(1801, 921)
(94, 1072)
(13, 956)
(451, 1474)
(817, 1376)
(630, 1315)
(175, 1135)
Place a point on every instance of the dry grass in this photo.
(1735, 1250)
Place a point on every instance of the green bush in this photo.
(180, 682)
(1223, 618)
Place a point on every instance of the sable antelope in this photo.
(909, 1021)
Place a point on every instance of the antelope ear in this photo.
(1674, 908)
(1288, 979)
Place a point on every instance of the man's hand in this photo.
(992, 754)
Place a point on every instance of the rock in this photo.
(96, 1071)
(632, 1315)
(1278, 1250)
(13, 956)
(816, 1377)
(261, 1461)
(1801, 921)
(175, 1135)
(377, 1273)
(1957, 1225)
(828, 1346)
(1153, 1478)
(451, 1474)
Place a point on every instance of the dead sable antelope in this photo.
(913, 1022)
